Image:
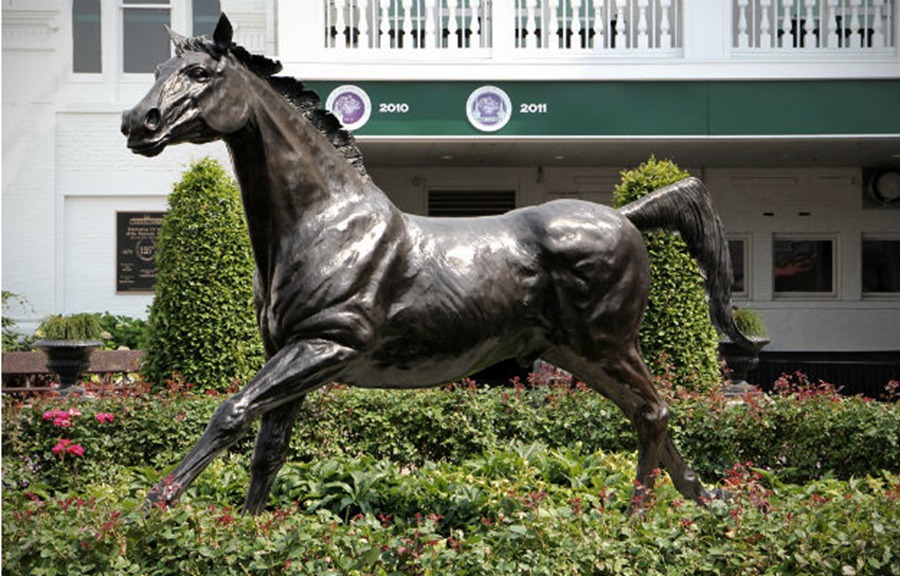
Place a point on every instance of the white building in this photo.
(788, 109)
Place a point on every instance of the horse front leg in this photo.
(289, 375)
(270, 453)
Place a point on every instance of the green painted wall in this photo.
(650, 108)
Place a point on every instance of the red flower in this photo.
(65, 446)
(61, 446)
(105, 417)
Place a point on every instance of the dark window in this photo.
(738, 262)
(802, 265)
(144, 35)
(470, 202)
(205, 14)
(881, 266)
(86, 37)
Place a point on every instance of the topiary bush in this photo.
(677, 334)
(202, 323)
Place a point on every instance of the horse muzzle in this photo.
(140, 127)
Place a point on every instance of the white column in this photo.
(765, 24)
(665, 26)
(575, 42)
(878, 25)
(384, 26)
(599, 24)
(643, 39)
(809, 38)
(301, 30)
(742, 24)
(855, 36)
(362, 12)
(621, 24)
(787, 40)
(707, 29)
(430, 39)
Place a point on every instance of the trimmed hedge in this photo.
(803, 433)
(677, 334)
(202, 323)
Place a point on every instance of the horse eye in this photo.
(156, 72)
(198, 74)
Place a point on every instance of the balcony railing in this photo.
(598, 25)
(813, 25)
(701, 38)
(470, 26)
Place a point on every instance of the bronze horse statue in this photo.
(350, 289)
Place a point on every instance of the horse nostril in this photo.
(152, 119)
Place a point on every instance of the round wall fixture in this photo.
(885, 186)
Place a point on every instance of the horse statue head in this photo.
(204, 93)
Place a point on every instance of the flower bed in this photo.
(460, 480)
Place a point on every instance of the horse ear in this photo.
(223, 33)
(178, 40)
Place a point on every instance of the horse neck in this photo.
(291, 177)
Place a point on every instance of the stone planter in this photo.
(69, 359)
(741, 360)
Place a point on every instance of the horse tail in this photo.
(686, 207)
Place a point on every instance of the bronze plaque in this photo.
(136, 235)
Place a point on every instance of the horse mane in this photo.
(306, 101)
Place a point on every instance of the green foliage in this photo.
(529, 479)
(13, 340)
(750, 323)
(202, 321)
(82, 326)
(123, 331)
(676, 328)
(512, 511)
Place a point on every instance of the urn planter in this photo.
(69, 359)
(741, 360)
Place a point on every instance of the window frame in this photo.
(747, 269)
(835, 291)
(875, 237)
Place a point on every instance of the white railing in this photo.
(598, 25)
(813, 25)
(390, 25)
(468, 25)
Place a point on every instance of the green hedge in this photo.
(202, 323)
(801, 434)
(677, 336)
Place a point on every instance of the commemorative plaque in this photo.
(136, 235)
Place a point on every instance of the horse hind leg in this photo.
(623, 377)
(270, 452)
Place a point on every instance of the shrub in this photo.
(13, 340)
(676, 325)
(202, 323)
(82, 326)
(750, 323)
(123, 331)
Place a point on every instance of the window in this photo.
(738, 250)
(880, 266)
(144, 39)
(803, 266)
(86, 37)
(470, 202)
(204, 16)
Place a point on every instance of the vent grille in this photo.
(455, 203)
